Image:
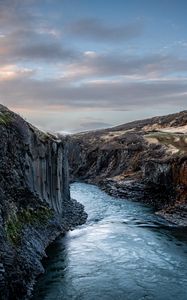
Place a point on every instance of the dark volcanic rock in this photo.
(35, 204)
(143, 160)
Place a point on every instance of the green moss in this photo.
(15, 223)
(45, 136)
(39, 216)
(177, 140)
(5, 119)
(13, 229)
(42, 135)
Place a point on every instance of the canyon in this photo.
(143, 161)
(35, 203)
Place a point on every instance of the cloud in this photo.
(113, 64)
(29, 45)
(27, 36)
(15, 14)
(97, 30)
(40, 70)
(9, 72)
(111, 95)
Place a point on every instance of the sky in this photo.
(76, 65)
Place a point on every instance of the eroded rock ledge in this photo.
(143, 161)
(35, 204)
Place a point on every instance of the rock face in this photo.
(143, 160)
(35, 204)
(46, 169)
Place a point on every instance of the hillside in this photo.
(144, 160)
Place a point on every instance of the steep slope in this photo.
(143, 160)
(35, 204)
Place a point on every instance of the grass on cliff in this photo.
(16, 223)
(42, 135)
(5, 119)
(177, 140)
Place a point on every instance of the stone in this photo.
(35, 203)
(144, 160)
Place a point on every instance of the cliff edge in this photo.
(144, 160)
(35, 204)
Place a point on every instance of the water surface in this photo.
(123, 252)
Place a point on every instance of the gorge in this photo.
(123, 251)
(143, 161)
(35, 204)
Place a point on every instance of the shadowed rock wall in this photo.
(46, 170)
(35, 204)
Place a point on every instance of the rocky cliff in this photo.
(143, 160)
(35, 204)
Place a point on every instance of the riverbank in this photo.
(175, 213)
(144, 161)
(123, 251)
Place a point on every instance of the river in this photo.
(123, 252)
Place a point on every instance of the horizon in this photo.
(65, 132)
(78, 66)
(114, 126)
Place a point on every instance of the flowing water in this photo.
(123, 252)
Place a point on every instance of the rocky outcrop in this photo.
(35, 204)
(142, 160)
(46, 169)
